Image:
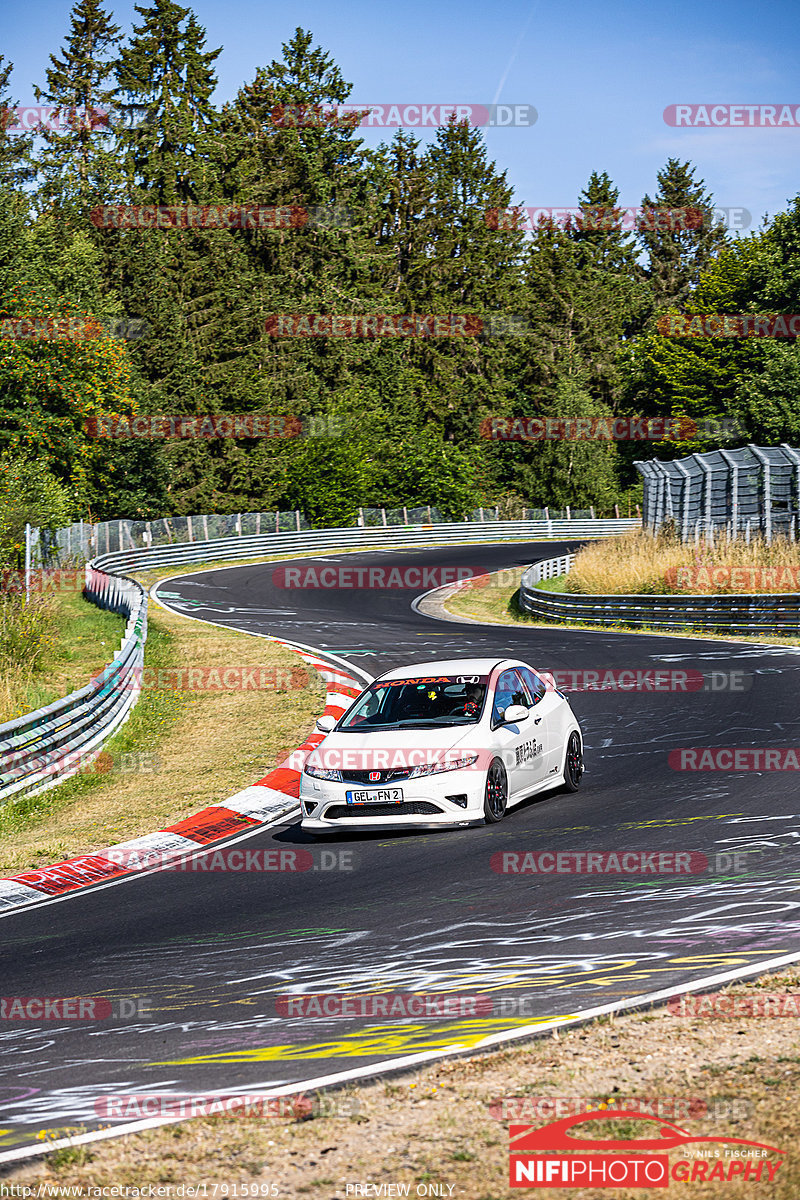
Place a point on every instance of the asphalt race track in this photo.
(424, 911)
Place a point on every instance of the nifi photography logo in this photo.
(580, 1160)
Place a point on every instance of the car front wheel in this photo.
(496, 793)
(573, 763)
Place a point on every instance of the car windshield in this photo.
(418, 703)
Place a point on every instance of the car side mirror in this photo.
(515, 713)
(325, 723)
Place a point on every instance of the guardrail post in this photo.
(297, 519)
(792, 456)
(27, 563)
(767, 489)
(383, 515)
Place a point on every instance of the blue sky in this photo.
(599, 75)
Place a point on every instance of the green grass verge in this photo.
(84, 640)
(557, 584)
(150, 720)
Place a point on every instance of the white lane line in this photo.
(426, 1056)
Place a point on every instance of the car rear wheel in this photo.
(573, 763)
(495, 797)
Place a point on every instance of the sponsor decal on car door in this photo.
(520, 744)
(547, 721)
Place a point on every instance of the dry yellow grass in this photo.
(639, 562)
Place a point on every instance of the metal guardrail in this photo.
(776, 613)
(750, 490)
(456, 533)
(45, 747)
(548, 568)
(83, 541)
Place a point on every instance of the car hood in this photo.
(393, 748)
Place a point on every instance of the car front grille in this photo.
(392, 775)
(414, 808)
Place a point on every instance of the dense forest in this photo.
(181, 321)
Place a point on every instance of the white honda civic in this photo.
(441, 743)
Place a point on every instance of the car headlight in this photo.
(454, 764)
(323, 773)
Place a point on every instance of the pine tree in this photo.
(166, 73)
(676, 255)
(455, 261)
(601, 229)
(15, 171)
(77, 165)
(15, 147)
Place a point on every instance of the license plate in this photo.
(379, 796)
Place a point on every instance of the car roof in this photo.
(450, 666)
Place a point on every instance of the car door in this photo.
(521, 745)
(546, 717)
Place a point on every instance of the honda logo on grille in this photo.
(374, 776)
